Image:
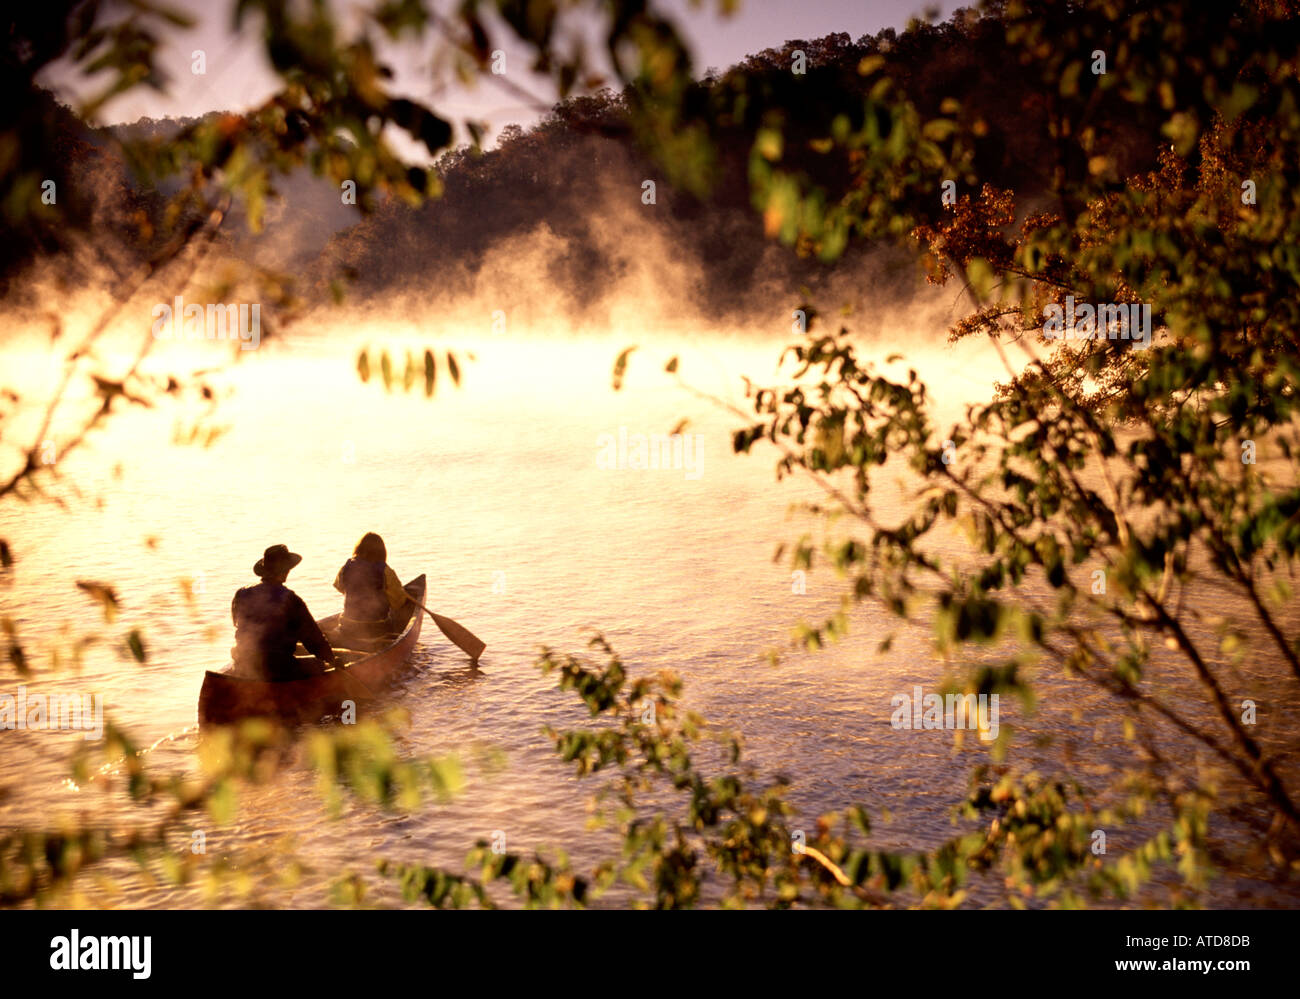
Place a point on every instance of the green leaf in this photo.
(768, 143)
(221, 802)
(938, 129)
(979, 272)
(620, 367)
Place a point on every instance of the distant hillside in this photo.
(300, 220)
(555, 212)
(569, 189)
(108, 222)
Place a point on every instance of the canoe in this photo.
(227, 698)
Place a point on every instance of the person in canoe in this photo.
(270, 621)
(371, 590)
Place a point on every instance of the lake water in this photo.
(495, 491)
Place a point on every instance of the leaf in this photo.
(409, 373)
(869, 64)
(19, 659)
(101, 592)
(430, 373)
(1070, 79)
(768, 143)
(136, 644)
(938, 129)
(363, 366)
(453, 368)
(478, 35)
(221, 802)
(671, 366)
(386, 368)
(420, 122)
(620, 367)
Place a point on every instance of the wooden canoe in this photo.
(227, 698)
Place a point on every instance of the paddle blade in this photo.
(462, 637)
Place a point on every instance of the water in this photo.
(494, 491)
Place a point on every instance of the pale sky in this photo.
(238, 77)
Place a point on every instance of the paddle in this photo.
(358, 689)
(459, 635)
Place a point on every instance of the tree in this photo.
(1106, 483)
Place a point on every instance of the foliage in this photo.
(696, 825)
(1102, 460)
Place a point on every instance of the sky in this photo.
(237, 76)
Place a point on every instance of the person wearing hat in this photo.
(270, 620)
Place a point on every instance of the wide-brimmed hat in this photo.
(277, 558)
